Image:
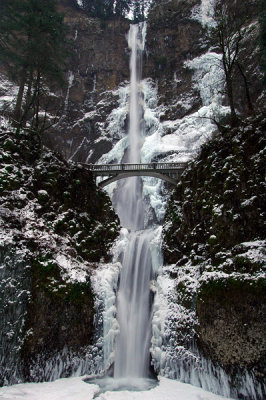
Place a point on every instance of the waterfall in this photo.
(128, 201)
(139, 255)
(147, 324)
(133, 343)
(133, 300)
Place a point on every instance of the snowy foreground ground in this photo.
(76, 389)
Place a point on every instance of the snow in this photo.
(71, 269)
(248, 202)
(8, 92)
(42, 193)
(77, 389)
(218, 209)
(104, 284)
(116, 119)
(207, 12)
(204, 13)
(70, 83)
(170, 317)
(116, 154)
(208, 77)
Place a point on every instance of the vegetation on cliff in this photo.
(215, 225)
(55, 227)
(110, 8)
(219, 201)
(33, 49)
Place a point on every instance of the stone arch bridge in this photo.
(169, 172)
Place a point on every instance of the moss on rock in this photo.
(231, 317)
(215, 224)
(58, 221)
(220, 195)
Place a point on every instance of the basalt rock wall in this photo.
(97, 65)
(179, 31)
(173, 38)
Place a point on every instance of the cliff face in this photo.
(214, 227)
(98, 64)
(173, 38)
(180, 53)
(56, 227)
(179, 31)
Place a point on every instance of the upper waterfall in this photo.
(136, 44)
(128, 199)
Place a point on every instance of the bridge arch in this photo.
(124, 175)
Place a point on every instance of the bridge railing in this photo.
(135, 167)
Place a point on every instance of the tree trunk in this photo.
(37, 108)
(250, 105)
(28, 96)
(18, 106)
(230, 94)
(29, 100)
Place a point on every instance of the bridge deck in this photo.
(112, 169)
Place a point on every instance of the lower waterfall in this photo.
(134, 309)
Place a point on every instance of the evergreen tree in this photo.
(122, 7)
(106, 8)
(33, 46)
(98, 8)
(138, 10)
